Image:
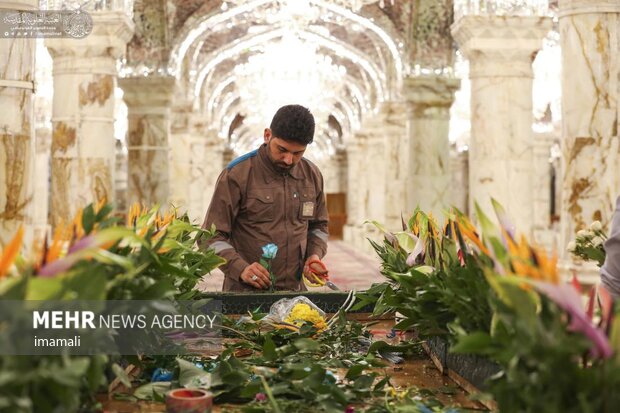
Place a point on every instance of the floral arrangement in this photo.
(94, 257)
(555, 354)
(302, 313)
(589, 244)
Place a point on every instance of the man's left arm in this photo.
(318, 231)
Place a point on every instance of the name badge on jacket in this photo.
(307, 209)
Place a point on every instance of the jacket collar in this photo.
(270, 172)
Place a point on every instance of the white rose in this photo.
(596, 226)
(596, 241)
(582, 233)
(571, 246)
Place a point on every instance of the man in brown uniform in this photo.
(271, 195)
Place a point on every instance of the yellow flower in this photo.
(10, 253)
(134, 214)
(469, 232)
(78, 229)
(533, 263)
(302, 312)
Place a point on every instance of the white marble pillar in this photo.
(83, 144)
(341, 165)
(590, 38)
(393, 117)
(41, 199)
(227, 156)
(120, 173)
(377, 168)
(459, 180)
(205, 171)
(197, 161)
(428, 178)
(148, 100)
(17, 142)
(543, 235)
(356, 183)
(500, 51)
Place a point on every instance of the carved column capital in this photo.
(500, 45)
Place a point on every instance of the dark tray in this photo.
(241, 303)
(473, 368)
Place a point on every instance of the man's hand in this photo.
(256, 275)
(316, 268)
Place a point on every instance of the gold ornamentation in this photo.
(98, 91)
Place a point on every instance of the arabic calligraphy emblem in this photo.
(78, 24)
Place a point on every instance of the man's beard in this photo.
(282, 167)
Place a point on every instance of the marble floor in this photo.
(349, 269)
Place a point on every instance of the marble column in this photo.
(17, 141)
(356, 183)
(428, 178)
(341, 165)
(197, 161)
(543, 235)
(148, 100)
(205, 171)
(500, 51)
(459, 180)
(83, 144)
(43, 143)
(393, 117)
(377, 168)
(227, 156)
(120, 181)
(589, 35)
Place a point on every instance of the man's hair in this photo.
(293, 123)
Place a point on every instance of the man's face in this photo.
(283, 154)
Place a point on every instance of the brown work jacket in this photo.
(254, 204)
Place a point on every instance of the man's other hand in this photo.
(316, 268)
(256, 275)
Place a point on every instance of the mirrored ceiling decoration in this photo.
(501, 7)
(288, 70)
(124, 6)
(354, 5)
(250, 57)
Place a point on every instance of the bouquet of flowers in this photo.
(294, 312)
(588, 244)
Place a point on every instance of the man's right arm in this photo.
(222, 213)
(610, 271)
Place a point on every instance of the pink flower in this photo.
(349, 409)
(567, 298)
(260, 397)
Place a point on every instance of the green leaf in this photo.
(306, 344)
(14, 288)
(355, 371)
(269, 349)
(148, 391)
(88, 218)
(104, 212)
(476, 343)
(191, 375)
(121, 375)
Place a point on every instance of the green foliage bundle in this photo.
(96, 258)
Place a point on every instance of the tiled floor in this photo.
(349, 269)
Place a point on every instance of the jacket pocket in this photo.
(260, 206)
(307, 203)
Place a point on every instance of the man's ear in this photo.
(267, 135)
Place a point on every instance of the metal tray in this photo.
(241, 303)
